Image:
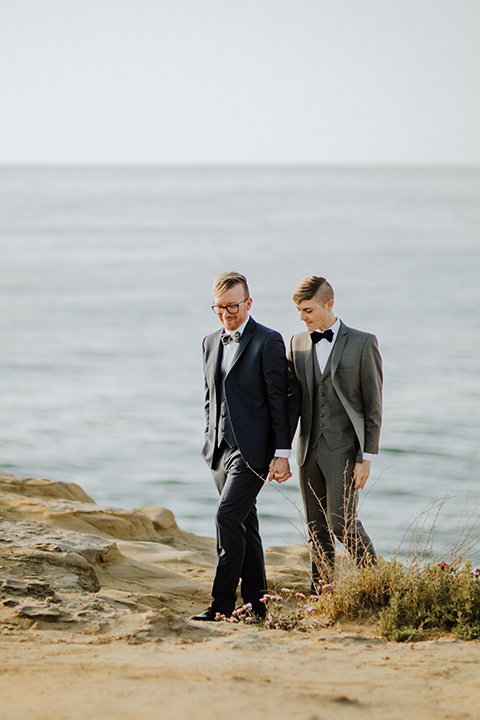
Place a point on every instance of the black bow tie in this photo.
(227, 338)
(316, 336)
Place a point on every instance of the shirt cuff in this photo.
(368, 456)
(283, 453)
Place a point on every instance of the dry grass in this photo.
(406, 600)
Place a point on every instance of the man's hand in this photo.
(361, 472)
(279, 470)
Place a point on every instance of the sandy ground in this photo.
(94, 606)
(245, 674)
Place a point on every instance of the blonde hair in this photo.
(227, 280)
(313, 287)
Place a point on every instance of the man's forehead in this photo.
(233, 291)
(308, 304)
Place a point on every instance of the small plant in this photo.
(281, 617)
(289, 610)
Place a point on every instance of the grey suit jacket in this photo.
(256, 394)
(356, 369)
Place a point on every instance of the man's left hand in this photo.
(361, 473)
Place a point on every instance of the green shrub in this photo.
(408, 600)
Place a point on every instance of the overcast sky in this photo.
(240, 81)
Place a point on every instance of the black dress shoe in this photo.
(209, 615)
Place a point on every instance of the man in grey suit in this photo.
(335, 389)
(247, 433)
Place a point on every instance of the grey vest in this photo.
(329, 416)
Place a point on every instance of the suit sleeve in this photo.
(276, 382)
(371, 383)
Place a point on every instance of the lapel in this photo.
(244, 341)
(307, 349)
(217, 353)
(339, 347)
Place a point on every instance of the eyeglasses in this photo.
(231, 309)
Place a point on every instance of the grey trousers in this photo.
(330, 502)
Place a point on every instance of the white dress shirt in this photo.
(324, 348)
(231, 350)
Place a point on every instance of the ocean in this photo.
(105, 287)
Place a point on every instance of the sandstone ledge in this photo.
(74, 567)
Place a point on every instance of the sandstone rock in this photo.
(12, 586)
(43, 537)
(40, 611)
(61, 570)
(79, 516)
(161, 518)
(38, 487)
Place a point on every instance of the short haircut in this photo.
(313, 287)
(227, 280)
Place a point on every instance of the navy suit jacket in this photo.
(256, 390)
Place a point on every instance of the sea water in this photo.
(105, 295)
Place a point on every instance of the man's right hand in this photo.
(279, 470)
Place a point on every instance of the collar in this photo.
(240, 329)
(334, 328)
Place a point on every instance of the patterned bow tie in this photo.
(316, 336)
(227, 338)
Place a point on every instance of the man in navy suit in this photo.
(247, 434)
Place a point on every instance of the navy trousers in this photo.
(239, 545)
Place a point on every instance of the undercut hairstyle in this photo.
(227, 280)
(313, 287)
